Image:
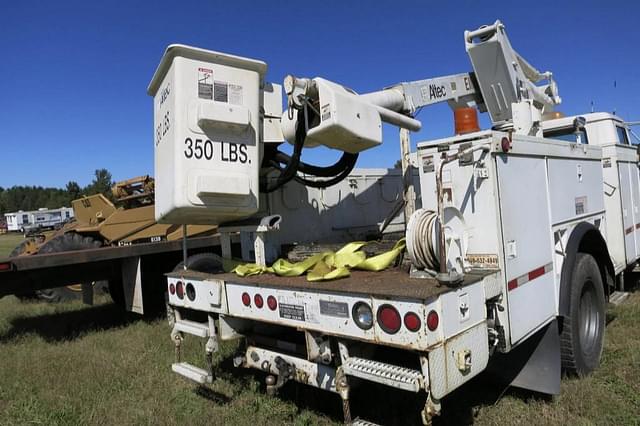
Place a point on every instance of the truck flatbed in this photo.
(41, 271)
(394, 282)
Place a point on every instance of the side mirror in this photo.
(579, 123)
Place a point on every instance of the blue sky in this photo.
(73, 75)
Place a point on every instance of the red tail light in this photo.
(180, 290)
(246, 299)
(412, 321)
(5, 266)
(432, 320)
(172, 289)
(272, 303)
(257, 299)
(389, 319)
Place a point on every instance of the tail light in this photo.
(172, 289)
(412, 321)
(5, 266)
(257, 299)
(272, 303)
(191, 292)
(432, 320)
(389, 319)
(246, 299)
(180, 290)
(362, 315)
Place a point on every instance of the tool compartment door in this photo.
(635, 202)
(628, 224)
(526, 228)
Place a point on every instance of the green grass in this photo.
(73, 364)
(8, 242)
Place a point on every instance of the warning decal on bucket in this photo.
(205, 83)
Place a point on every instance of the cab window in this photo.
(567, 134)
(622, 135)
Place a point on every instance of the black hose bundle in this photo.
(290, 165)
(290, 170)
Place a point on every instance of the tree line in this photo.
(34, 197)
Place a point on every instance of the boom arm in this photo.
(503, 83)
(407, 97)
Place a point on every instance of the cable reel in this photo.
(423, 237)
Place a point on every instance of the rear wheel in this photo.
(202, 262)
(69, 242)
(582, 337)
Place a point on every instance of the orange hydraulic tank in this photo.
(466, 120)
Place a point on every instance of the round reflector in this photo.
(412, 321)
(246, 299)
(180, 290)
(272, 303)
(432, 320)
(362, 315)
(191, 292)
(257, 299)
(172, 289)
(389, 319)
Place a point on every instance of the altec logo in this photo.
(437, 92)
(529, 276)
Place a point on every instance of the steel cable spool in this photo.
(422, 243)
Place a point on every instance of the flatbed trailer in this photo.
(135, 267)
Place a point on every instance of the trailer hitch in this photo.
(286, 371)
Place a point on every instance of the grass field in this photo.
(73, 364)
(69, 364)
(8, 242)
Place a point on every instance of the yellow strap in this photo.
(322, 266)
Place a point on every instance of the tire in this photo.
(582, 337)
(19, 251)
(20, 248)
(68, 242)
(201, 262)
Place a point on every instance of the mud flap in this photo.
(534, 364)
(132, 284)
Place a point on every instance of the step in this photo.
(192, 372)
(618, 297)
(387, 374)
(192, 327)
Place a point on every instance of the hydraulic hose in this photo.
(290, 170)
(344, 162)
(289, 166)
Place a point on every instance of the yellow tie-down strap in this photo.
(322, 266)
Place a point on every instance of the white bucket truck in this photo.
(526, 229)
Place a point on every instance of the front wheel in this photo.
(582, 337)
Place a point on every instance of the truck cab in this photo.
(596, 128)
